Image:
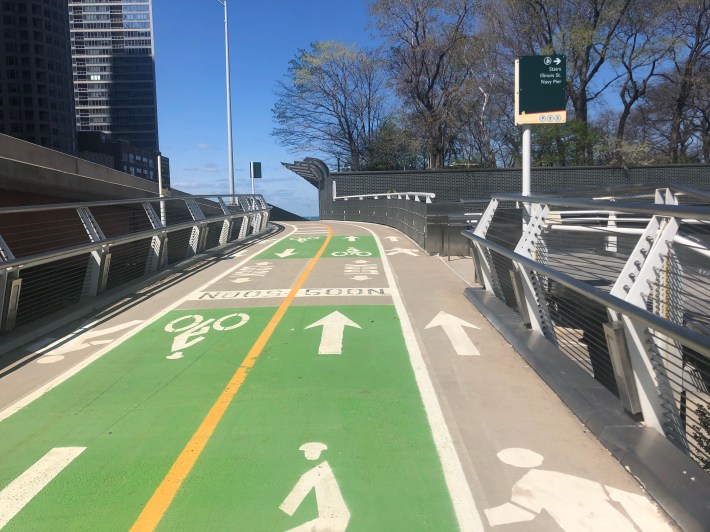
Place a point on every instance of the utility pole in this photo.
(230, 147)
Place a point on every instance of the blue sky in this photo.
(190, 69)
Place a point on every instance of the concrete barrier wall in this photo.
(31, 169)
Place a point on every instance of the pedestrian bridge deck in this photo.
(330, 376)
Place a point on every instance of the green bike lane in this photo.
(328, 430)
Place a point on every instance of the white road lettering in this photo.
(283, 292)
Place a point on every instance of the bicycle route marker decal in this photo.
(193, 328)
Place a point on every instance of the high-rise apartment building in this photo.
(114, 70)
(36, 100)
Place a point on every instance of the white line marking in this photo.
(24, 488)
(39, 392)
(467, 513)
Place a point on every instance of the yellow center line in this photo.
(162, 498)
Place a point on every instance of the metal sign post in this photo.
(161, 191)
(255, 171)
(540, 98)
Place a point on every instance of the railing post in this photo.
(100, 261)
(10, 286)
(199, 230)
(482, 255)
(265, 214)
(635, 282)
(536, 310)
(157, 257)
(255, 218)
(226, 232)
(621, 364)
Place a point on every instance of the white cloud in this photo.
(209, 168)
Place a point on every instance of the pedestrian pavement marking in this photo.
(164, 495)
(24, 488)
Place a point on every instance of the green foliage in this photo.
(392, 148)
(565, 144)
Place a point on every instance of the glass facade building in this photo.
(36, 100)
(114, 69)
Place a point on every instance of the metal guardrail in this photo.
(54, 256)
(407, 216)
(621, 288)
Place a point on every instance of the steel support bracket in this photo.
(10, 285)
(634, 284)
(226, 233)
(99, 260)
(535, 302)
(621, 363)
(158, 254)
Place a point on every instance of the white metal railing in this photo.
(52, 256)
(415, 196)
(624, 292)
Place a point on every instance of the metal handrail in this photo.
(428, 196)
(639, 190)
(102, 203)
(80, 249)
(689, 338)
(675, 211)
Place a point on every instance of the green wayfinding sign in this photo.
(540, 92)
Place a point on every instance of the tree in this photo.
(583, 30)
(690, 20)
(641, 48)
(333, 101)
(426, 41)
(393, 148)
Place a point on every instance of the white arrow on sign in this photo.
(286, 253)
(331, 343)
(393, 238)
(454, 329)
(557, 60)
(351, 238)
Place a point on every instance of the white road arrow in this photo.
(393, 238)
(333, 324)
(286, 253)
(241, 280)
(454, 329)
(360, 278)
(351, 238)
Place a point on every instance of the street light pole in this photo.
(229, 103)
